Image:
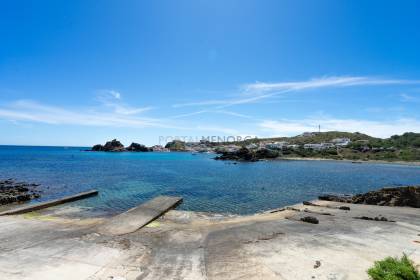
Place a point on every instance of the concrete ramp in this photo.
(139, 216)
(42, 205)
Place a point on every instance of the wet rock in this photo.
(11, 191)
(337, 198)
(378, 219)
(395, 196)
(310, 219)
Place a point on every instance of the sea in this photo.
(127, 179)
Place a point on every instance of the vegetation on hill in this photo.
(176, 145)
(405, 147)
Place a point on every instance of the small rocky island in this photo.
(12, 191)
(117, 146)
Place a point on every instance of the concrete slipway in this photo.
(188, 245)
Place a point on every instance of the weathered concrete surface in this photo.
(38, 206)
(188, 245)
(139, 216)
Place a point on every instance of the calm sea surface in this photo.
(127, 179)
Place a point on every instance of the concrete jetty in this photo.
(139, 216)
(38, 206)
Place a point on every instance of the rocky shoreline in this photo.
(12, 191)
(245, 154)
(116, 146)
(408, 196)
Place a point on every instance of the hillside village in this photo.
(330, 145)
(327, 145)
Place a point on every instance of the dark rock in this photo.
(337, 198)
(114, 146)
(11, 191)
(317, 264)
(110, 146)
(135, 147)
(176, 145)
(98, 148)
(397, 196)
(378, 219)
(308, 203)
(245, 154)
(310, 219)
(266, 153)
(344, 208)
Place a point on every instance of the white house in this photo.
(276, 145)
(341, 141)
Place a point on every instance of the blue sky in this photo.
(82, 72)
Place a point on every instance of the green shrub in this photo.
(394, 269)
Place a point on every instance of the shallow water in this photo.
(126, 179)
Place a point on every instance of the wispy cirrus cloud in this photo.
(323, 82)
(27, 110)
(409, 98)
(223, 112)
(258, 91)
(386, 128)
(113, 99)
(23, 111)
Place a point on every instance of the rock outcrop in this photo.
(245, 154)
(395, 196)
(12, 191)
(116, 146)
(136, 147)
(110, 146)
(176, 145)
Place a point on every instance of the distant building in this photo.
(307, 134)
(313, 146)
(159, 148)
(318, 147)
(252, 146)
(294, 146)
(341, 141)
(276, 145)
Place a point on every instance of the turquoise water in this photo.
(127, 179)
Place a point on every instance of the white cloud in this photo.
(26, 110)
(219, 129)
(30, 111)
(113, 99)
(258, 91)
(338, 81)
(200, 103)
(223, 112)
(409, 98)
(381, 129)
